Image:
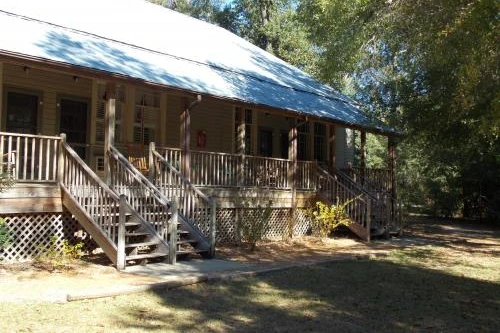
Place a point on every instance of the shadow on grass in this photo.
(341, 296)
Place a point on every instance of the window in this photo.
(99, 163)
(101, 110)
(319, 142)
(22, 112)
(146, 116)
(303, 141)
(265, 142)
(248, 130)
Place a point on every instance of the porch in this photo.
(51, 179)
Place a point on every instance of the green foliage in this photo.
(57, 257)
(6, 237)
(430, 68)
(328, 218)
(6, 179)
(254, 221)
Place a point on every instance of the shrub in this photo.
(254, 222)
(328, 218)
(52, 257)
(5, 235)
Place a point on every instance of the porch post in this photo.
(391, 143)
(292, 174)
(363, 156)
(332, 156)
(240, 145)
(1, 95)
(185, 140)
(109, 128)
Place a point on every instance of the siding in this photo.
(50, 85)
(214, 118)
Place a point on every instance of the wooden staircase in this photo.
(123, 233)
(371, 213)
(184, 236)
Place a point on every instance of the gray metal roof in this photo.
(148, 42)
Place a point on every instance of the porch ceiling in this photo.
(136, 39)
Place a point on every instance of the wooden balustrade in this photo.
(141, 194)
(30, 158)
(90, 192)
(233, 170)
(193, 205)
(374, 180)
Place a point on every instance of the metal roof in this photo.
(144, 41)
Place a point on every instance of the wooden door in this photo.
(73, 121)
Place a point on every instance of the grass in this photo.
(450, 284)
(393, 294)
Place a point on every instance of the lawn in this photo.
(446, 286)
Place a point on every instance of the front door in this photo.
(22, 113)
(73, 122)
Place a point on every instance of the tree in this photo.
(431, 68)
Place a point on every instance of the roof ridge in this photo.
(217, 67)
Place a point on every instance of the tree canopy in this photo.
(428, 67)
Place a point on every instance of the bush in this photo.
(5, 235)
(52, 257)
(254, 222)
(328, 218)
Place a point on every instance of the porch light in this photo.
(26, 70)
(76, 78)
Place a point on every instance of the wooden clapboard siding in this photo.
(216, 120)
(228, 197)
(51, 85)
(172, 125)
(31, 198)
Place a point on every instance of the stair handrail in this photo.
(358, 210)
(382, 196)
(192, 200)
(143, 196)
(345, 179)
(101, 204)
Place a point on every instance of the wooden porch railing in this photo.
(194, 205)
(31, 158)
(233, 170)
(373, 180)
(145, 199)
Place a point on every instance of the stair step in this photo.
(136, 234)
(150, 243)
(186, 241)
(146, 256)
(184, 252)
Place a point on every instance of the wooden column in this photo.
(109, 128)
(240, 145)
(391, 143)
(185, 140)
(292, 173)
(332, 154)
(1, 96)
(363, 156)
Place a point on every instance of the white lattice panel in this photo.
(278, 224)
(226, 226)
(32, 233)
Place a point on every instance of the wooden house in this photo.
(150, 131)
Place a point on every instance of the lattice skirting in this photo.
(32, 233)
(227, 228)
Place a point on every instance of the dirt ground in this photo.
(26, 283)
